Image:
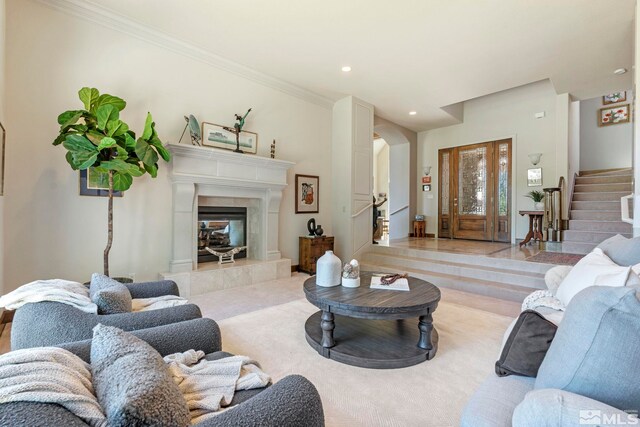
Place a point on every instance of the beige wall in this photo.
(606, 147)
(381, 174)
(507, 114)
(2, 119)
(51, 230)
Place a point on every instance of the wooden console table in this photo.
(312, 248)
(535, 226)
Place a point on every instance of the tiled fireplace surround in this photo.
(210, 177)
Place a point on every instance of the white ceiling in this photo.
(406, 55)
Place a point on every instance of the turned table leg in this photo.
(530, 234)
(425, 325)
(327, 325)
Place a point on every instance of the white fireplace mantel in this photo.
(209, 172)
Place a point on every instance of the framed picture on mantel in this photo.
(220, 137)
(307, 193)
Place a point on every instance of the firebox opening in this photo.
(221, 228)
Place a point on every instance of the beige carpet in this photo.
(431, 394)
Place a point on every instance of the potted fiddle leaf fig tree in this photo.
(95, 137)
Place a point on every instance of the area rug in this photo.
(557, 258)
(430, 394)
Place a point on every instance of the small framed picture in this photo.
(222, 137)
(93, 183)
(426, 187)
(534, 177)
(307, 194)
(614, 98)
(614, 115)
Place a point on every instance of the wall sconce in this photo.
(427, 170)
(535, 158)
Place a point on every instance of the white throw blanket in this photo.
(208, 385)
(542, 298)
(155, 303)
(77, 295)
(50, 375)
(57, 290)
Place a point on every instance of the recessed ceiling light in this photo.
(413, 113)
(346, 68)
(620, 71)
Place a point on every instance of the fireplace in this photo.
(221, 228)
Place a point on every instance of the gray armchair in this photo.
(52, 323)
(291, 402)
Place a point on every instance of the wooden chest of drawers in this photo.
(312, 248)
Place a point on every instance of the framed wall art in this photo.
(307, 193)
(426, 187)
(534, 177)
(614, 115)
(614, 98)
(221, 137)
(93, 183)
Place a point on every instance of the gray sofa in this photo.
(588, 375)
(291, 402)
(51, 323)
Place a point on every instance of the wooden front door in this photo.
(475, 192)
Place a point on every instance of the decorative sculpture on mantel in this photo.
(237, 128)
(226, 257)
(194, 130)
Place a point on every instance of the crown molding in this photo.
(100, 15)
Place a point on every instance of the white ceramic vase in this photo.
(539, 206)
(328, 270)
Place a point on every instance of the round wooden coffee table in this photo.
(371, 327)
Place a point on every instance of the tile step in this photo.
(465, 284)
(511, 277)
(512, 265)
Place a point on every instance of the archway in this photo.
(399, 205)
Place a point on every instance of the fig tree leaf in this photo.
(88, 96)
(148, 127)
(107, 142)
(106, 99)
(145, 153)
(105, 114)
(122, 181)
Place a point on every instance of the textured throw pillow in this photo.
(621, 250)
(596, 351)
(109, 295)
(132, 382)
(595, 269)
(526, 346)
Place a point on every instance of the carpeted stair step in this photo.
(596, 215)
(584, 236)
(607, 179)
(605, 196)
(596, 205)
(602, 188)
(610, 226)
(577, 247)
(480, 272)
(465, 284)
